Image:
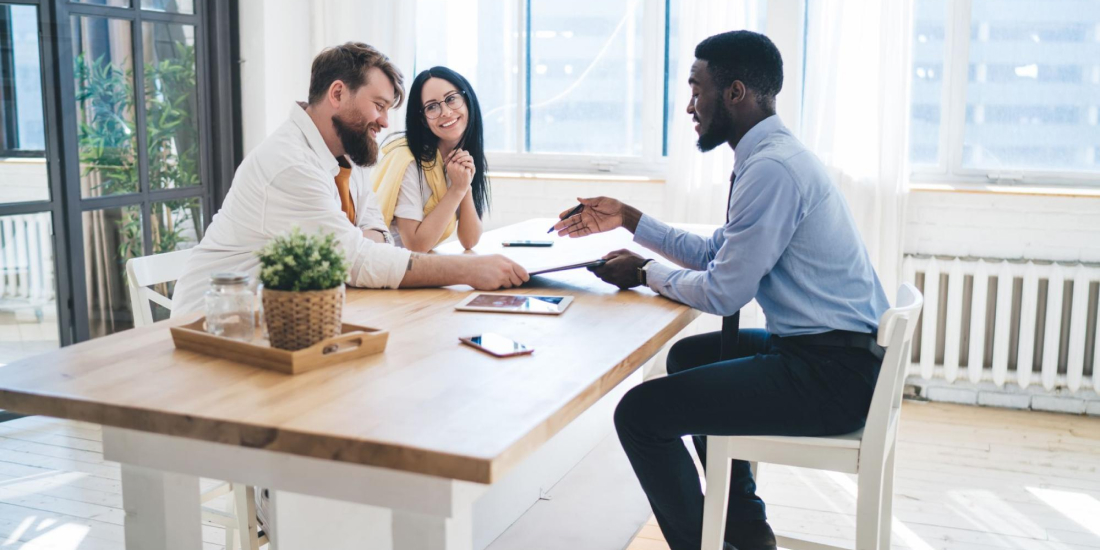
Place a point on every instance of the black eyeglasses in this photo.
(454, 102)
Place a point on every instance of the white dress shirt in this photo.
(288, 180)
(790, 242)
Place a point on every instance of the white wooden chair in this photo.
(141, 273)
(868, 452)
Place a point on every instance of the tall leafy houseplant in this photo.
(173, 145)
(303, 296)
(107, 136)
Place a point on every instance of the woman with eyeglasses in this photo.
(432, 182)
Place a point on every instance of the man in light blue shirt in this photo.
(790, 243)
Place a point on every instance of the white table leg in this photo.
(162, 510)
(423, 532)
(303, 522)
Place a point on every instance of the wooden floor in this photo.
(26, 330)
(57, 492)
(968, 478)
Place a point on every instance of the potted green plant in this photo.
(303, 295)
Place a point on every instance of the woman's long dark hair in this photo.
(424, 144)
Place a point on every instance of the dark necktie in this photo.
(730, 323)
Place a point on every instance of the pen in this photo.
(571, 213)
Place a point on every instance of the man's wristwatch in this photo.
(386, 237)
(642, 272)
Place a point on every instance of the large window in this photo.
(1006, 91)
(565, 85)
(579, 84)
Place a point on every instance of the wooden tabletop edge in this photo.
(357, 451)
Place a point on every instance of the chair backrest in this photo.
(143, 272)
(895, 333)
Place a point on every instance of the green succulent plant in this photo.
(297, 261)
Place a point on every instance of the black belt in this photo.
(840, 339)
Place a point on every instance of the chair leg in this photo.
(869, 505)
(245, 500)
(887, 517)
(231, 539)
(718, 492)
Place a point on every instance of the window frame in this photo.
(952, 133)
(651, 163)
(217, 86)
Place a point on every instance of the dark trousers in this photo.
(771, 387)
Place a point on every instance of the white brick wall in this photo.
(941, 223)
(1003, 226)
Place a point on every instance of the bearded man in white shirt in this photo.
(309, 173)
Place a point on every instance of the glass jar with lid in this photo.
(230, 306)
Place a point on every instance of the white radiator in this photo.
(1024, 323)
(26, 261)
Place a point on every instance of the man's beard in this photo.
(718, 132)
(355, 137)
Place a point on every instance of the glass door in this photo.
(138, 124)
(118, 137)
(30, 212)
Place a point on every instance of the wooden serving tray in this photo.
(355, 341)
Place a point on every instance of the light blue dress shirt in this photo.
(790, 242)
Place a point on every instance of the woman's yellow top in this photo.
(386, 180)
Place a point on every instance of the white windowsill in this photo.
(993, 189)
(572, 176)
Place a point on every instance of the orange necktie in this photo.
(343, 181)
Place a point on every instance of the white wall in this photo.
(1060, 228)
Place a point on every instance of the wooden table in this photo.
(430, 444)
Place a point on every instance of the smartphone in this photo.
(495, 344)
(527, 243)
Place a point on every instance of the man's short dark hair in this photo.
(349, 64)
(747, 56)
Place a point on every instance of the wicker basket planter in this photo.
(297, 320)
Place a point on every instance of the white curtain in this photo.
(279, 39)
(856, 114)
(698, 183)
(388, 26)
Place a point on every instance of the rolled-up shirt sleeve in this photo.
(687, 249)
(765, 211)
(304, 195)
